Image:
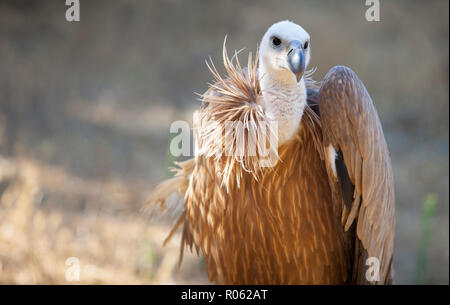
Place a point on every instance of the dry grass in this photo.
(112, 246)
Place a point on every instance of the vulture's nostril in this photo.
(290, 51)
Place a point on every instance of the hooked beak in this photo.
(295, 59)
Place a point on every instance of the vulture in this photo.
(292, 180)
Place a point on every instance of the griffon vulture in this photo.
(323, 212)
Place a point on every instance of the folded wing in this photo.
(360, 173)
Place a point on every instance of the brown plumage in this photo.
(305, 220)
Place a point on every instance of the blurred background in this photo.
(85, 110)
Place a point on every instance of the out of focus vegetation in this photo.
(428, 212)
(85, 110)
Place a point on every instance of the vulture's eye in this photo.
(305, 46)
(276, 41)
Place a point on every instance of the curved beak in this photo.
(295, 59)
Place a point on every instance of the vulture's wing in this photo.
(360, 173)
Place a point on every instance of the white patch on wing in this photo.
(332, 158)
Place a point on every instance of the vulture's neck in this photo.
(284, 102)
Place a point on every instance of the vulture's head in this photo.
(284, 53)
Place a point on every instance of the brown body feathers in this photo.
(298, 221)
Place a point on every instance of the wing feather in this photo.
(351, 125)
